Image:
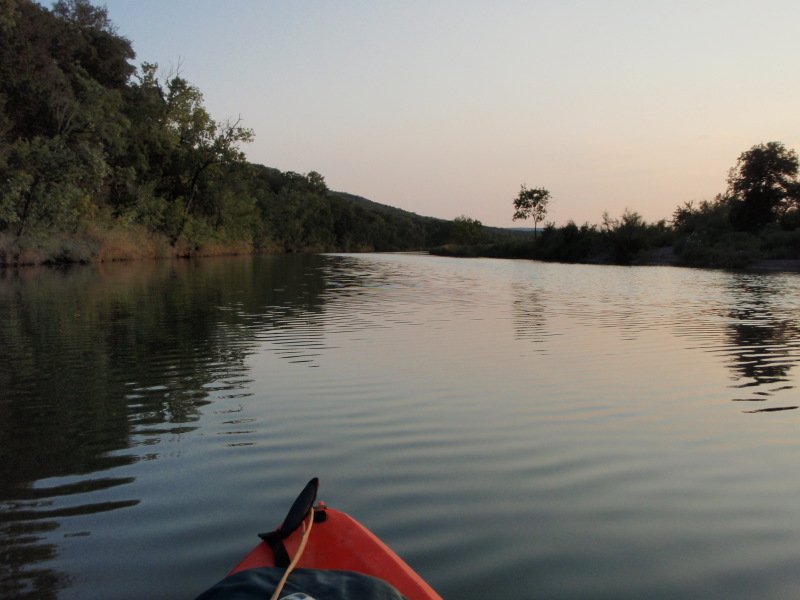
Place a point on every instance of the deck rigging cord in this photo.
(297, 555)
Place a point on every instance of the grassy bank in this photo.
(98, 244)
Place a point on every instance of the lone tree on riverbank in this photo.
(531, 204)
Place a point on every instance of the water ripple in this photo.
(613, 432)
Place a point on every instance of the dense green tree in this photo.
(467, 231)
(629, 237)
(42, 185)
(61, 121)
(297, 215)
(83, 14)
(569, 243)
(763, 184)
(703, 222)
(199, 142)
(531, 204)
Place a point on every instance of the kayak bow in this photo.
(336, 543)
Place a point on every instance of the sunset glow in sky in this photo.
(444, 107)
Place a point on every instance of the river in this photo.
(511, 428)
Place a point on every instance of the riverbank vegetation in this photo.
(101, 160)
(756, 219)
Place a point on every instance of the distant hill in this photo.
(382, 208)
(511, 232)
(492, 232)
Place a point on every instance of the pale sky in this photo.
(445, 107)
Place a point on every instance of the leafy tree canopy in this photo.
(467, 230)
(531, 204)
(763, 185)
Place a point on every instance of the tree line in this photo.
(100, 158)
(757, 217)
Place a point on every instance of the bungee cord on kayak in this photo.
(297, 555)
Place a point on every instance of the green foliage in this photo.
(88, 141)
(626, 240)
(184, 144)
(467, 231)
(732, 250)
(46, 184)
(531, 204)
(85, 138)
(763, 184)
(630, 237)
(779, 243)
(758, 217)
(568, 244)
(79, 138)
(296, 214)
(706, 221)
(61, 120)
(83, 14)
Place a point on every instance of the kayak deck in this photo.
(342, 543)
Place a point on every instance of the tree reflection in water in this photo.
(761, 340)
(530, 314)
(98, 362)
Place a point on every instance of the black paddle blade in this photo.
(300, 508)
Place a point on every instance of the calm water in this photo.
(546, 431)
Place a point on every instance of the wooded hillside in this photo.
(100, 159)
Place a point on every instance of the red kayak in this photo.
(336, 548)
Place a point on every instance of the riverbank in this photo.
(666, 256)
(104, 245)
(136, 243)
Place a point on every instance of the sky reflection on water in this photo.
(612, 432)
